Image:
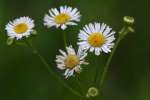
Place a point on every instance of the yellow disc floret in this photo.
(21, 28)
(96, 39)
(62, 18)
(71, 61)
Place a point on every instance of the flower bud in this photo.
(128, 20)
(92, 92)
(131, 29)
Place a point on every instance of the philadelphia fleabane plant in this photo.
(94, 37)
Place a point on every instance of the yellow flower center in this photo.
(21, 28)
(62, 18)
(96, 39)
(71, 61)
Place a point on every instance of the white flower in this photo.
(70, 61)
(20, 27)
(96, 38)
(62, 17)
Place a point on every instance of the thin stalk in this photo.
(35, 51)
(64, 39)
(79, 84)
(96, 71)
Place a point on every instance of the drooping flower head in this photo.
(62, 17)
(20, 27)
(71, 61)
(96, 38)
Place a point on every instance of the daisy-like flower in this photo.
(20, 27)
(71, 61)
(62, 17)
(96, 38)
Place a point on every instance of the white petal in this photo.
(112, 33)
(83, 35)
(87, 29)
(105, 49)
(70, 50)
(63, 27)
(107, 30)
(63, 53)
(102, 27)
(60, 66)
(71, 23)
(91, 49)
(92, 28)
(97, 51)
(97, 27)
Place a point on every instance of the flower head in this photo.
(71, 61)
(62, 17)
(129, 20)
(20, 27)
(96, 38)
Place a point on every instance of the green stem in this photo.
(96, 72)
(35, 51)
(79, 84)
(64, 39)
(122, 34)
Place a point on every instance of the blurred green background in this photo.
(23, 77)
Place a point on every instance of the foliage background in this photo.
(23, 77)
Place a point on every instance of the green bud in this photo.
(92, 92)
(131, 29)
(10, 41)
(129, 20)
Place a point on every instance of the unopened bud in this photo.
(131, 29)
(128, 19)
(92, 92)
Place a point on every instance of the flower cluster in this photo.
(94, 37)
